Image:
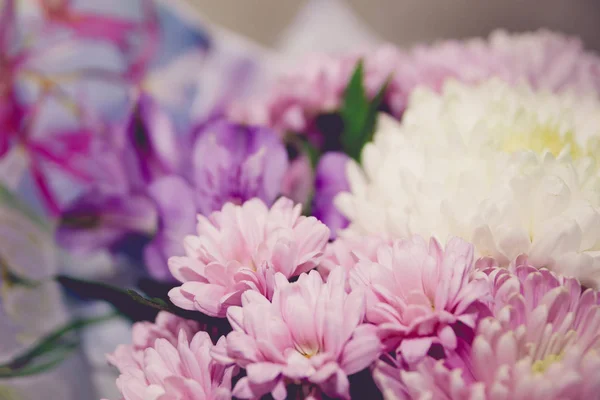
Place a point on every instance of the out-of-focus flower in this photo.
(298, 180)
(543, 59)
(171, 359)
(417, 293)
(174, 201)
(99, 220)
(49, 69)
(312, 333)
(234, 163)
(151, 148)
(240, 248)
(299, 97)
(541, 343)
(330, 180)
(478, 162)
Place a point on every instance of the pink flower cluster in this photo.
(544, 59)
(311, 319)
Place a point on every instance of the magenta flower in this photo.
(236, 163)
(311, 334)
(97, 219)
(241, 248)
(417, 293)
(149, 144)
(46, 75)
(87, 25)
(543, 342)
(171, 360)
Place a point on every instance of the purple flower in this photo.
(174, 200)
(234, 163)
(98, 219)
(330, 180)
(151, 149)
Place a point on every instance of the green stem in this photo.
(20, 365)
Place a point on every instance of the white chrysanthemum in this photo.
(511, 170)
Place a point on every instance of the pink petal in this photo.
(263, 372)
(361, 350)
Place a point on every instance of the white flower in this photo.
(508, 169)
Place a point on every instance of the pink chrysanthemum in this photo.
(416, 293)
(241, 248)
(164, 364)
(347, 252)
(312, 334)
(543, 342)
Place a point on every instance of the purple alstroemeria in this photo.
(98, 220)
(151, 149)
(234, 163)
(174, 200)
(330, 180)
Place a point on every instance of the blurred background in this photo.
(405, 22)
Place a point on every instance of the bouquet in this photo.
(397, 224)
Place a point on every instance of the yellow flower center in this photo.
(541, 138)
(540, 366)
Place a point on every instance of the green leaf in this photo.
(49, 351)
(359, 114)
(131, 303)
(127, 301)
(311, 152)
(354, 112)
(55, 358)
(370, 125)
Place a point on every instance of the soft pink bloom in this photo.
(241, 248)
(312, 334)
(347, 251)
(298, 180)
(417, 293)
(144, 334)
(543, 342)
(543, 59)
(315, 88)
(170, 360)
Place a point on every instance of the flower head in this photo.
(417, 292)
(311, 333)
(241, 248)
(97, 219)
(170, 360)
(541, 343)
(237, 163)
(477, 162)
